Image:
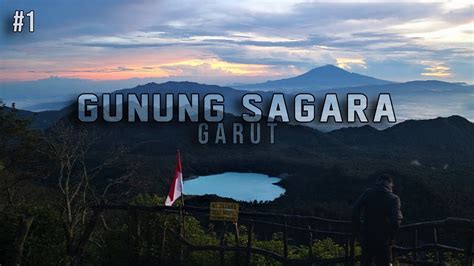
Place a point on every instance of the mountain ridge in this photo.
(446, 133)
(323, 77)
(233, 96)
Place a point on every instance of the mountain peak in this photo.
(457, 118)
(327, 69)
(323, 77)
(330, 66)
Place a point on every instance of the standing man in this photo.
(381, 215)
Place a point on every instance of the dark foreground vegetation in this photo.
(50, 181)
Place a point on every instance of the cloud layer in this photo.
(243, 41)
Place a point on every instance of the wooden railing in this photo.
(464, 228)
(307, 228)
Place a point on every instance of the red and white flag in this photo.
(176, 189)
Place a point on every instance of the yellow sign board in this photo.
(224, 211)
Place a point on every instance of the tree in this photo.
(70, 150)
(17, 149)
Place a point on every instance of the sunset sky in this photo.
(224, 42)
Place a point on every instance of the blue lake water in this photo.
(239, 186)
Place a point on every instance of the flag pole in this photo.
(182, 196)
(182, 192)
(181, 215)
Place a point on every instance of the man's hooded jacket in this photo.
(381, 214)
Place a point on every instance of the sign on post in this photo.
(224, 211)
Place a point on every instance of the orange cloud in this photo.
(223, 66)
(346, 63)
(436, 69)
(146, 69)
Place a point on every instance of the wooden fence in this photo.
(307, 228)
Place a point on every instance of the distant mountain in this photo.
(411, 87)
(55, 93)
(232, 96)
(451, 133)
(44, 119)
(454, 133)
(178, 87)
(414, 99)
(419, 99)
(325, 77)
(434, 85)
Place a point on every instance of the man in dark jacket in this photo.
(381, 215)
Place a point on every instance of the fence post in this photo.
(285, 242)
(222, 243)
(133, 237)
(237, 243)
(163, 241)
(435, 237)
(415, 246)
(249, 244)
(346, 252)
(394, 254)
(352, 249)
(468, 250)
(310, 243)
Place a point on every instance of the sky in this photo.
(226, 42)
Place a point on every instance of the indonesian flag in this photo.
(176, 189)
